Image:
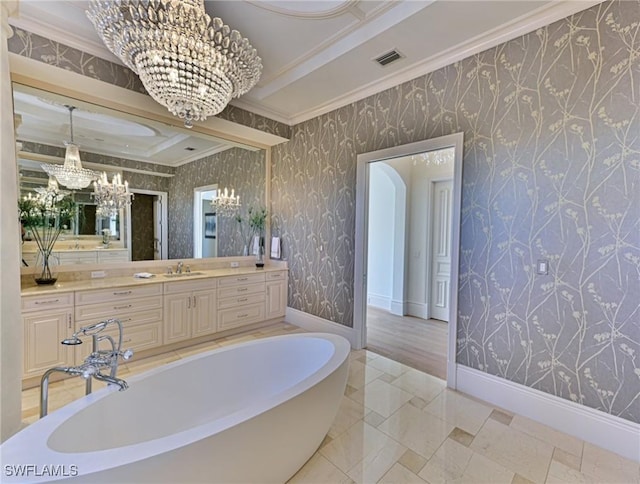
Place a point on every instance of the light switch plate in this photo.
(235, 264)
(98, 274)
(542, 267)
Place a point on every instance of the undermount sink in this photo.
(184, 274)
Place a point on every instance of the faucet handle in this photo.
(126, 354)
(88, 371)
(169, 270)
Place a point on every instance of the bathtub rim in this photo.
(39, 453)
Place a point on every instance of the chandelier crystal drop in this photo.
(224, 204)
(111, 197)
(187, 61)
(71, 174)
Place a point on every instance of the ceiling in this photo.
(44, 118)
(318, 55)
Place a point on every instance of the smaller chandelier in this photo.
(71, 174)
(111, 197)
(50, 195)
(187, 61)
(225, 204)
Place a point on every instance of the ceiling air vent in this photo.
(189, 148)
(389, 57)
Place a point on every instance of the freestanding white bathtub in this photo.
(251, 413)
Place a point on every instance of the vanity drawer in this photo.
(117, 294)
(79, 257)
(276, 276)
(52, 301)
(240, 280)
(189, 286)
(115, 309)
(240, 301)
(224, 292)
(127, 318)
(113, 256)
(236, 317)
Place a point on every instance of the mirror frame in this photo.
(29, 72)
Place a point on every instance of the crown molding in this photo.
(525, 24)
(344, 7)
(260, 110)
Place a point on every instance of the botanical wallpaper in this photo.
(28, 44)
(238, 169)
(551, 171)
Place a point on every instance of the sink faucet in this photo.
(179, 268)
(94, 363)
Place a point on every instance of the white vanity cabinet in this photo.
(241, 300)
(47, 320)
(276, 296)
(189, 309)
(155, 314)
(139, 309)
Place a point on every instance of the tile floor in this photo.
(398, 425)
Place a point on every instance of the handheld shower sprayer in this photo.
(90, 330)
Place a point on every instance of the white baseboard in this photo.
(419, 310)
(599, 428)
(397, 308)
(315, 323)
(378, 301)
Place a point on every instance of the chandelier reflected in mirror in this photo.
(187, 61)
(71, 175)
(111, 197)
(224, 204)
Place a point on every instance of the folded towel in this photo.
(143, 275)
(275, 247)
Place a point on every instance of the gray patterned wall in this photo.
(33, 46)
(551, 170)
(237, 168)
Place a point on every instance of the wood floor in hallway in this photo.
(418, 343)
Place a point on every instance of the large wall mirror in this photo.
(169, 169)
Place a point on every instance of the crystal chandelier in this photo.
(50, 195)
(71, 174)
(225, 204)
(111, 197)
(187, 61)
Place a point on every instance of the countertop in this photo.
(109, 282)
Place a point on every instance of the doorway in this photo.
(424, 264)
(146, 225)
(205, 222)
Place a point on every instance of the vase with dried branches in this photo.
(45, 216)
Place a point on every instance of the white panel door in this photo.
(157, 227)
(441, 250)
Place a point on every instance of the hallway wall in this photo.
(551, 171)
